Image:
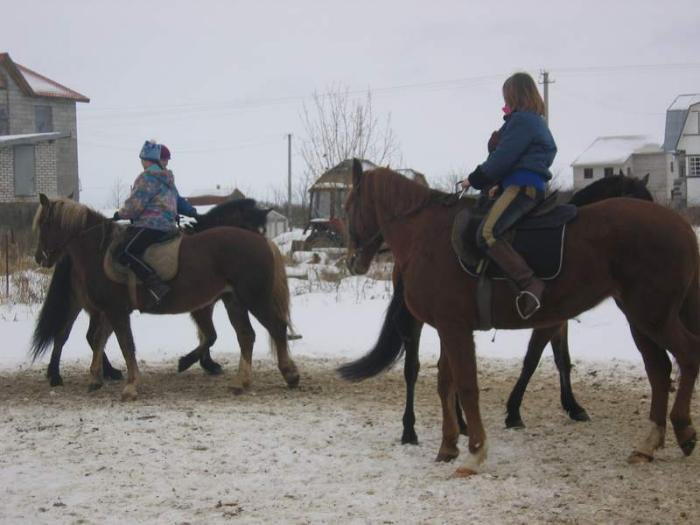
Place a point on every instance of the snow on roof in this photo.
(683, 102)
(30, 138)
(615, 150)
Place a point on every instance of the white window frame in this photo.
(693, 166)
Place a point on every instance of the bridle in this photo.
(102, 224)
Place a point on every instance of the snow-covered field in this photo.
(188, 451)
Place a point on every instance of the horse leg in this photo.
(680, 413)
(122, 328)
(277, 328)
(411, 368)
(108, 371)
(53, 372)
(658, 368)
(560, 349)
(538, 341)
(207, 337)
(450, 428)
(458, 345)
(97, 335)
(246, 339)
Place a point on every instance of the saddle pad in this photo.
(162, 257)
(543, 250)
(539, 239)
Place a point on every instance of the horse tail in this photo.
(53, 316)
(390, 345)
(280, 286)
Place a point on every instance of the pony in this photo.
(606, 188)
(57, 317)
(227, 263)
(642, 254)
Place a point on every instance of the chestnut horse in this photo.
(232, 264)
(61, 305)
(410, 329)
(642, 254)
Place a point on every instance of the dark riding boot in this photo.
(529, 300)
(157, 289)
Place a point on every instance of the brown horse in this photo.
(643, 255)
(231, 264)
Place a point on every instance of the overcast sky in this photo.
(222, 82)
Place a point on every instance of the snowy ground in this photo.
(189, 451)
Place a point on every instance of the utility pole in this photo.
(289, 180)
(546, 82)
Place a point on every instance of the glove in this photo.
(478, 179)
(116, 216)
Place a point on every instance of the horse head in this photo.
(364, 235)
(57, 222)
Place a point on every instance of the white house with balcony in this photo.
(634, 155)
(682, 139)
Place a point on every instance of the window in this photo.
(4, 122)
(671, 166)
(629, 171)
(44, 119)
(321, 205)
(694, 166)
(587, 173)
(608, 172)
(24, 170)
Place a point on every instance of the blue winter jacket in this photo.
(185, 208)
(525, 145)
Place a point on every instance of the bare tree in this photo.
(339, 126)
(448, 182)
(118, 192)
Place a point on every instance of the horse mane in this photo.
(406, 196)
(71, 215)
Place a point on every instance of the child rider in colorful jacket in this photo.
(152, 209)
(519, 164)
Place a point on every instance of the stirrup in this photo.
(538, 304)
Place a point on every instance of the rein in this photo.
(105, 224)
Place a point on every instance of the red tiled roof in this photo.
(35, 85)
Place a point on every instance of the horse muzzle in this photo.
(356, 265)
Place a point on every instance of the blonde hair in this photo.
(521, 94)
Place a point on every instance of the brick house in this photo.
(38, 138)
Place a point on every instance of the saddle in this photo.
(538, 237)
(162, 256)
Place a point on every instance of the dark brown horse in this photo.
(643, 255)
(57, 315)
(410, 329)
(231, 264)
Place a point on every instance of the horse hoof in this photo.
(579, 415)
(237, 390)
(689, 445)
(637, 457)
(446, 457)
(409, 438)
(114, 375)
(94, 386)
(56, 381)
(514, 422)
(183, 364)
(129, 393)
(292, 381)
(463, 472)
(212, 368)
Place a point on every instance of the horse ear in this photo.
(645, 179)
(44, 200)
(356, 172)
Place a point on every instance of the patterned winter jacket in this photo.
(153, 200)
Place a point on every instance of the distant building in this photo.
(632, 155)
(38, 135)
(682, 140)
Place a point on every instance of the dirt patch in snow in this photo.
(188, 451)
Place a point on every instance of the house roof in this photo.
(340, 176)
(615, 150)
(34, 84)
(676, 115)
(214, 196)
